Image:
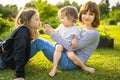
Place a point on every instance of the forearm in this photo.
(74, 43)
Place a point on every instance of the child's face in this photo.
(88, 17)
(35, 21)
(65, 21)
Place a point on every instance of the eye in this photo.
(62, 18)
(91, 14)
(37, 19)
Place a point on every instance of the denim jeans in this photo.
(48, 49)
(2, 65)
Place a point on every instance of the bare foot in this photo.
(90, 70)
(52, 73)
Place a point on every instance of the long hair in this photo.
(23, 18)
(92, 7)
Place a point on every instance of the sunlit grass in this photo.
(105, 61)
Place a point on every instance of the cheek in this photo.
(93, 18)
(32, 24)
(62, 20)
(38, 24)
(69, 22)
(82, 18)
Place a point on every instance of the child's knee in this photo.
(59, 47)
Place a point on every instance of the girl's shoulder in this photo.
(23, 28)
(22, 31)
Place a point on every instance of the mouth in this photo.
(86, 19)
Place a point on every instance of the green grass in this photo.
(105, 61)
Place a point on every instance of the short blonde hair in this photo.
(23, 18)
(70, 12)
(92, 7)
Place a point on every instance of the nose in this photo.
(87, 16)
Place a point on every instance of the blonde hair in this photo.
(92, 7)
(70, 12)
(23, 18)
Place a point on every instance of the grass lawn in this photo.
(105, 61)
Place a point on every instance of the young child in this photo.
(16, 54)
(68, 16)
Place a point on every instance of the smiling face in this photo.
(35, 21)
(89, 14)
(88, 18)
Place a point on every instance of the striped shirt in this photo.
(87, 43)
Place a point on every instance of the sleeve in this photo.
(87, 39)
(82, 42)
(20, 45)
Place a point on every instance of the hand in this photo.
(74, 43)
(19, 79)
(48, 29)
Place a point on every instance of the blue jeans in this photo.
(48, 49)
(2, 65)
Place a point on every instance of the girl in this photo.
(15, 50)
